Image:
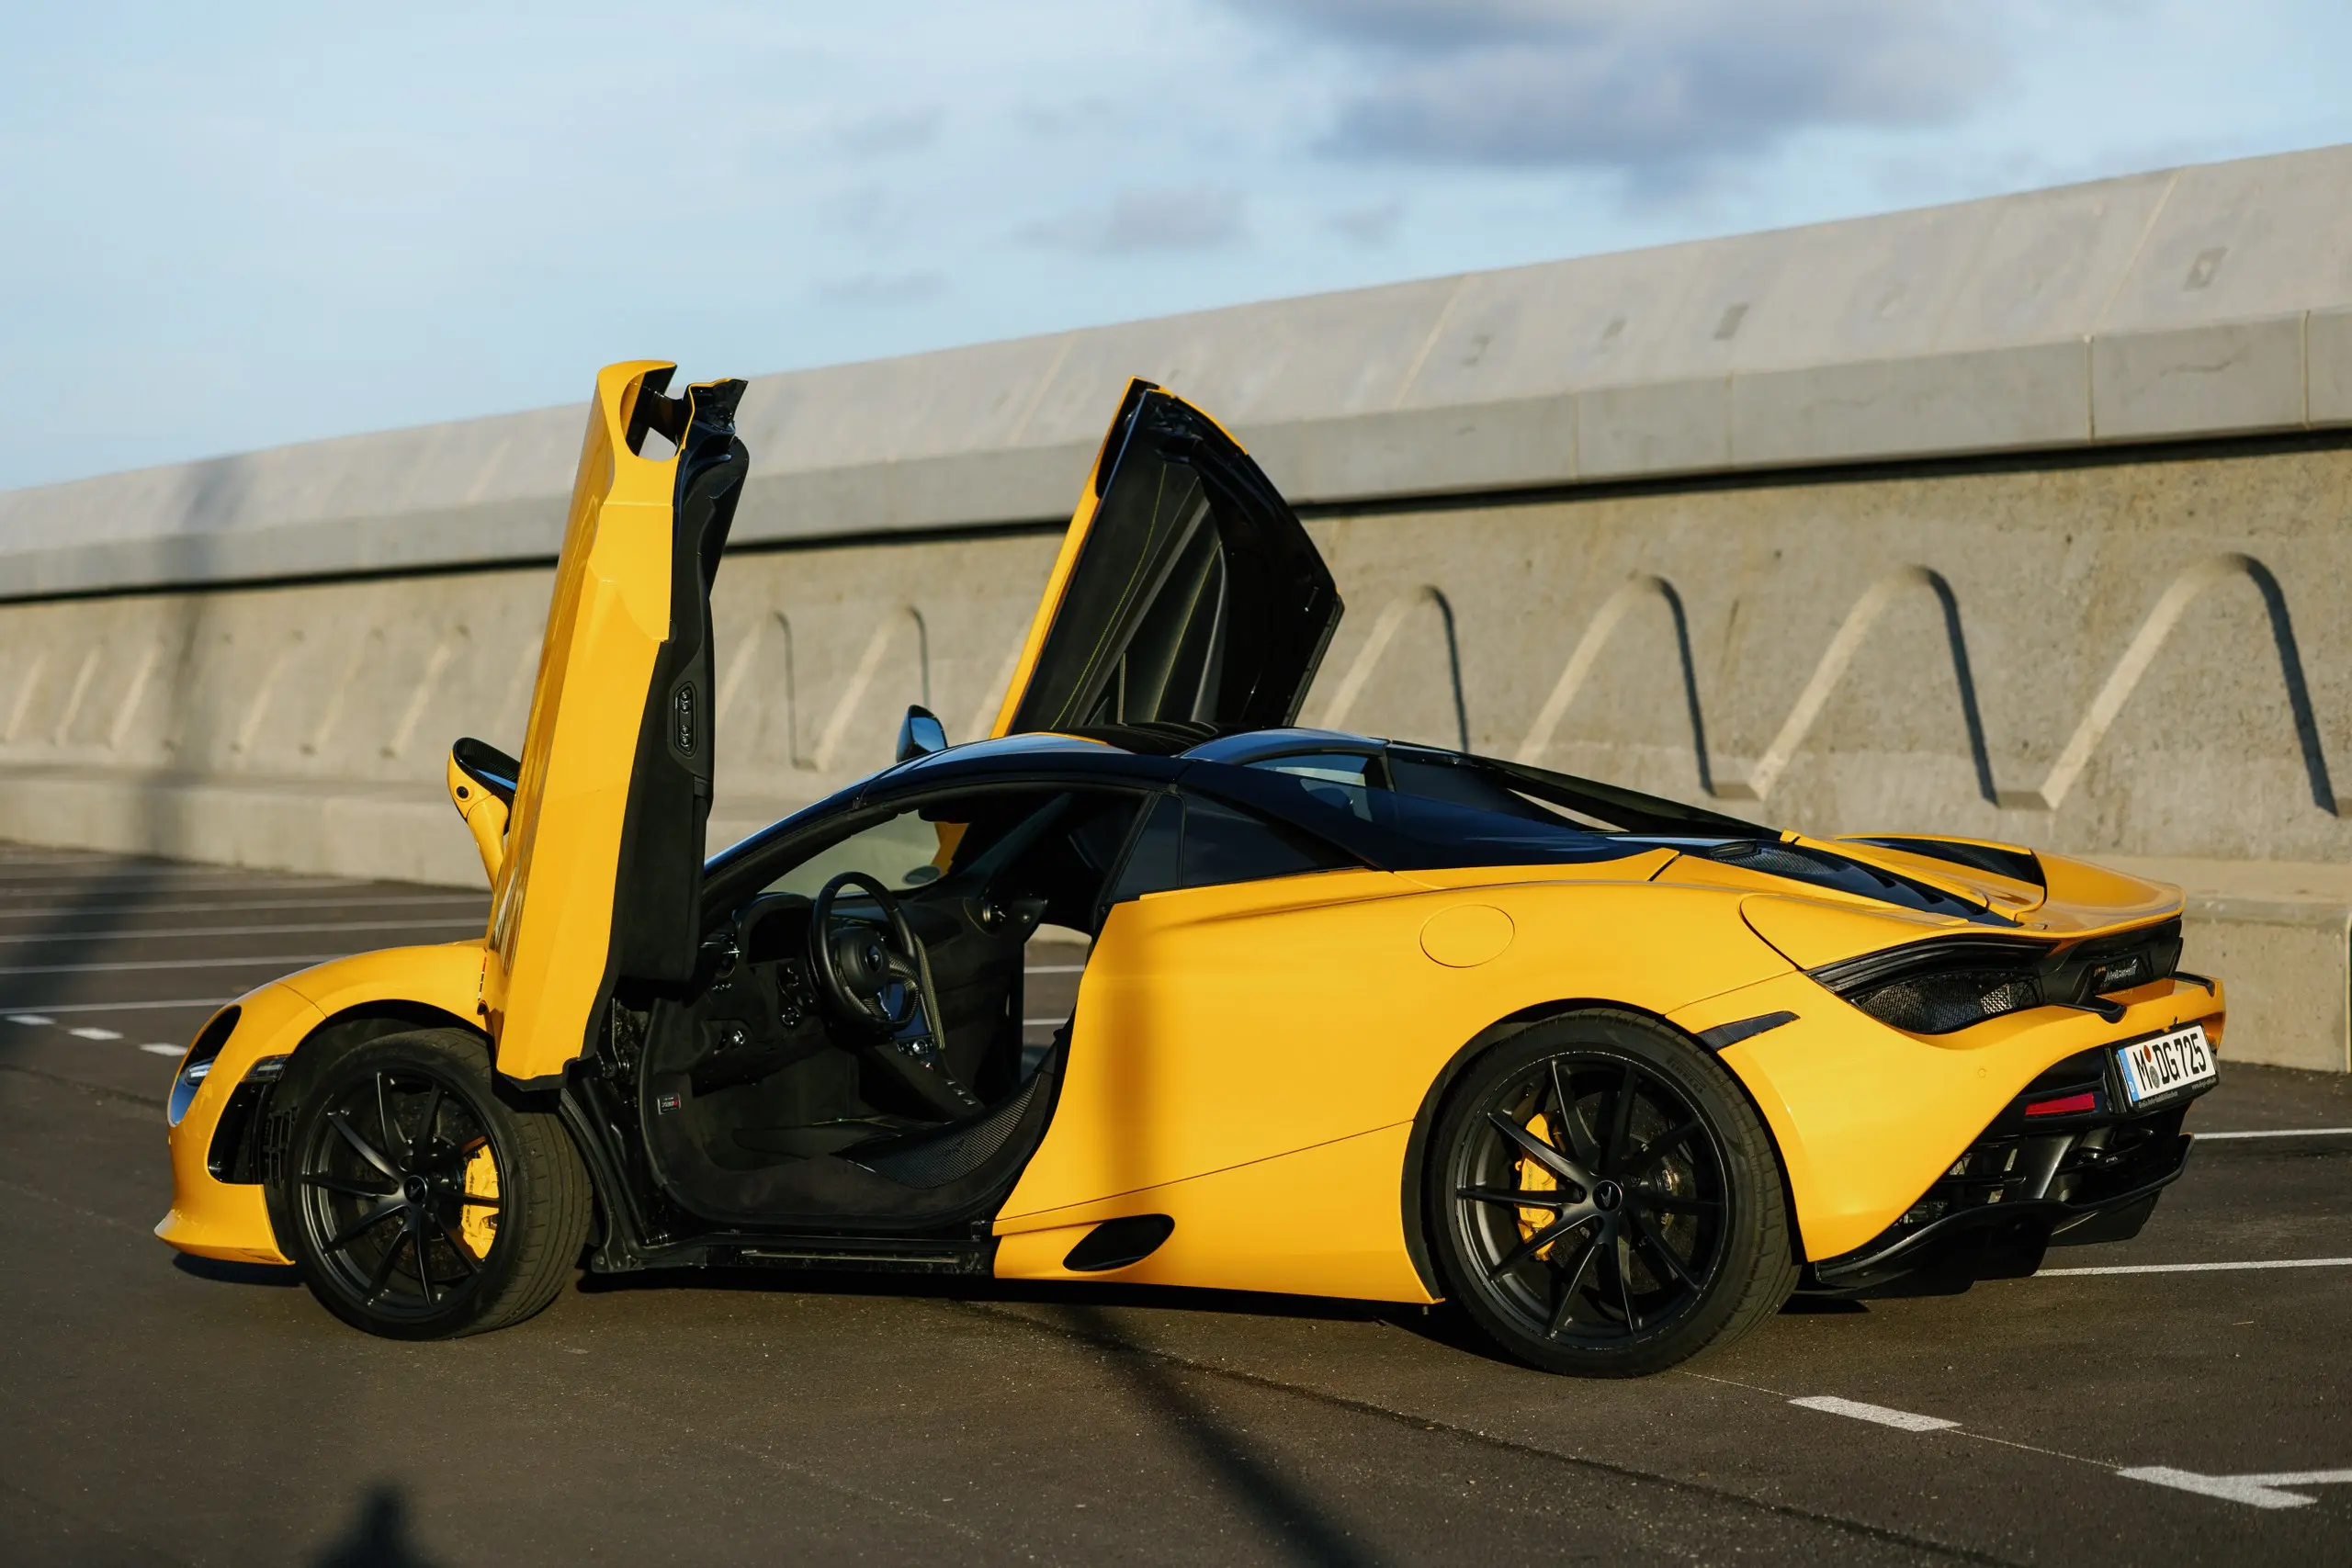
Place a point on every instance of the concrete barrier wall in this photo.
(1935, 590)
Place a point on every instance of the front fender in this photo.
(229, 1221)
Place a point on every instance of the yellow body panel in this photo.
(1267, 1225)
(217, 1218)
(1218, 1026)
(552, 910)
(230, 1220)
(1867, 1116)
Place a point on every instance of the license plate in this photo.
(2153, 1068)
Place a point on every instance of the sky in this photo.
(239, 225)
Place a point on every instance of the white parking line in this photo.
(2254, 1491)
(161, 1049)
(2194, 1268)
(1055, 969)
(91, 1032)
(128, 933)
(2280, 1132)
(170, 964)
(1903, 1419)
(31, 1017)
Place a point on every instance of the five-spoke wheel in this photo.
(1605, 1201)
(421, 1204)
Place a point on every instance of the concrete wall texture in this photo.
(2024, 518)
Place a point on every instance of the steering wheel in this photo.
(875, 977)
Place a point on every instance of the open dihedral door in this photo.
(1186, 592)
(603, 869)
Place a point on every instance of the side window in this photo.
(901, 852)
(1192, 842)
(1339, 779)
(1052, 846)
(1153, 865)
(1224, 845)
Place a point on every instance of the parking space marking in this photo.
(302, 958)
(92, 1032)
(2280, 1132)
(2194, 1268)
(163, 1048)
(35, 1017)
(1901, 1419)
(2254, 1491)
(122, 933)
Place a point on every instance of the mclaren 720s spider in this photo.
(1356, 1018)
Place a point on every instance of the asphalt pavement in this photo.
(2180, 1398)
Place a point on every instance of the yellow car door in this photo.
(1188, 598)
(602, 872)
(1185, 592)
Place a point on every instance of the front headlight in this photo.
(196, 1065)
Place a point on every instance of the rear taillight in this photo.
(2065, 1105)
(1940, 1003)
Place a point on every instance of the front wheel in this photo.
(1604, 1200)
(422, 1206)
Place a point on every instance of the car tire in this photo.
(1608, 1242)
(417, 1202)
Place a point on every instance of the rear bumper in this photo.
(1991, 1241)
(2025, 1184)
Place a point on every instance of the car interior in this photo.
(857, 1052)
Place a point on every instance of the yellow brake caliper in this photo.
(1534, 1177)
(477, 1225)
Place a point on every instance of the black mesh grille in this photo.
(1938, 1004)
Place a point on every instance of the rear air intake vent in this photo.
(1803, 862)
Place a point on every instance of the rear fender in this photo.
(1868, 1116)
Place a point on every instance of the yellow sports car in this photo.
(1357, 1019)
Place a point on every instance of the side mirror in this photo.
(921, 734)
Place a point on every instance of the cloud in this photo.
(1174, 217)
(1373, 225)
(883, 287)
(1655, 89)
(905, 131)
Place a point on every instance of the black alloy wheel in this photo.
(422, 1205)
(1605, 1200)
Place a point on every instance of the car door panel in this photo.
(603, 852)
(1186, 590)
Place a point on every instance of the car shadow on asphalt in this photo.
(1441, 1323)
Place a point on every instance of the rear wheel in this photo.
(422, 1205)
(1605, 1201)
